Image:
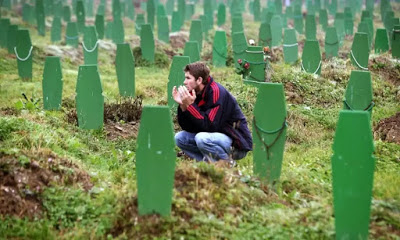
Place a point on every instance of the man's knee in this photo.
(202, 139)
(180, 139)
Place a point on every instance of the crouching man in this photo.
(214, 127)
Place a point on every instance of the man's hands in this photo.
(183, 97)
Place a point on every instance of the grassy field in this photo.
(60, 182)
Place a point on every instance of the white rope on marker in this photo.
(290, 45)
(91, 50)
(71, 38)
(319, 65)
(355, 60)
(23, 59)
(254, 51)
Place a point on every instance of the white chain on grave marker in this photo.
(355, 60)
(23, 59)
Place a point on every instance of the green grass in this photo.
(209, 203)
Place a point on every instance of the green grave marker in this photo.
(220, 49)
(131, 10)
(80, 15)
(254, 73)
(196, 33)
(370, 28)
(289, 12)
(237, 25)
(163, 29)
(268, 17)
(381, 41)
(369, 5)
(311, 58)
(323, 18)
(359, 52)
(26, 12)
(176, 76)
(4, 25)
(101, 10)
(139, 22)
(396, 41)
(190, 8)
(278, 7)
(58, 9)
(52, 83)
(311, 28)
(71, 34)
(116, 9)
(348, 22)
(11, 38)
(192, 51)
(89, 98)
(125, 67)
(108, 33)
(89, 8)
(67, 14)
(203, 19)
(176, 22)
(181, 10)
(269, 132)
(40, 17)
(257, 10)
(265, 35)
(317, 6)
(118, 32)
(339, 25)
(74, 5)
(122, 4)
(333, 7)
(358, 95)
(352, 174)
(290, 46)
(99, 23)
(161, 11)
(23, 52)
(170, 6)
(208, 11)
(147, 44)
(363, 27)
(48, 7)
(298, 20)
(386, 20)
(90, 45)
(276, 31)
(365, 14)
(221, 14)
(239, 47)
(284, 21)
(331, 43)
(56, 29)
(151, 10)
(155, 164)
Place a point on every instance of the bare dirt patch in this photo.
(388, 129)
(383, 66)
(178, 39)
(24, 178)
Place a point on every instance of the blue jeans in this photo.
(205, 146)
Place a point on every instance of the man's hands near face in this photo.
(183, 97)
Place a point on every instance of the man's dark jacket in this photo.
(217, 111)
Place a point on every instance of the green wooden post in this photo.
(323, 18)
(255, 59)
(90, 45)
(176, 76)
(176, 22)
(196, 33)
(348, 22)
(237, 25)
(192, 51)
(220, 49)
(11, 38)
(239, 46)
(359, 52)
(381, 41)
(80, 16)
(155, 161)
(163, 29)
(276, 31)
(352, 174)
(265, 35)
(139, 22)
(339, 25)
(151, 10)
(311, 58)
(116, 9)
(71, 34)
(89, 98)
(290, 46)
(125, 67)
(269, 132)
(298, 19)
(331, 43)
(52, 83)
(23, 52)
(396, 41)
(40, 18)
(147, 44)
(56, 29)
(181, 10)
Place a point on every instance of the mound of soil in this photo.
(116, 130)
(388, 129)
(23, 179)
(383, 66)
(178, 39)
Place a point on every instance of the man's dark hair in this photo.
(198, 69)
